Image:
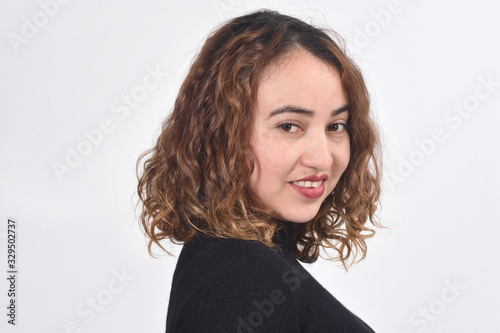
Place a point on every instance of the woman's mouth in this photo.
(309, 189)
(303, 183)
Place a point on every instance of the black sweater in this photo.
(231, 285)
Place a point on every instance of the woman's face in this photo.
(299, 140)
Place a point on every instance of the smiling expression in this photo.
(299, 139)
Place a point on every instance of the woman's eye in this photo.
(337, 127)
(289, 127)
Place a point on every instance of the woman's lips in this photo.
(313, 178)
(309, 192)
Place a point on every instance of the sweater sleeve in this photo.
(239, 290)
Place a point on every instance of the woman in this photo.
(269, 155)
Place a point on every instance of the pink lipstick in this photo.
(311, 187)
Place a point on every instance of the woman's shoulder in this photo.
(228, 285)
(224, 282)
(230, 256)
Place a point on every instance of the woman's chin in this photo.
(297, 217)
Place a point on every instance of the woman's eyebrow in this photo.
(309, 113)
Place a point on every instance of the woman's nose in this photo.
(317, 152)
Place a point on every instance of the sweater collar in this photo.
(284, 236)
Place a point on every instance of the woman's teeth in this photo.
(308, 183)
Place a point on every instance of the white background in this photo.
(77, 230)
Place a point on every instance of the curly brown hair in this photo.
(196, 177)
